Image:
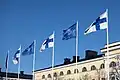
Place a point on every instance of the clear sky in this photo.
(22, 21)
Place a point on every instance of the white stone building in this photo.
(92, 67)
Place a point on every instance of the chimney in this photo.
(21, 72)
(90, 54)
(74, 59)
(66, 61)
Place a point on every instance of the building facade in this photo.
(14, 76)
(92, 67)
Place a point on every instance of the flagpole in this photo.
(53, 55)
(7, 65)
(107, 64)
(19, 64)
(34, 59)
(76, 45)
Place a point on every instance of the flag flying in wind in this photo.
(100, 23)
(6, 61)
(16, 56)
(29, 50)
(49, 42)
(69, 32)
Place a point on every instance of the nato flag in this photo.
(70, 32)
(29, 50)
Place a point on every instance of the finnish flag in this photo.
(17, 56)
(49, 42)
(100, 23)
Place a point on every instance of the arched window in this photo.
(113, 78)
(76, 71)
(43, 76)
(49, 76)
(102, 78)
(61, 73)
(84, 69)
(68, 72)
(102, 66)
(55, 74)
(112, 64)
(93, 67)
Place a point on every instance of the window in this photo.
(84, 69)
(49, 76)
(55, 74)
(68, 72)
(112, 64)
(102, 78)
(102, 66)
(43, 77)
(61, 73)
(93, 67)
(76, 71)
(113, 78)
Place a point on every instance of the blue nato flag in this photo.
(69, 32)
(29, 50)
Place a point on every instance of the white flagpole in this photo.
(107, 62)
(7, 64)
(34, 59)
(76, 45)
(19, 64)
(53, 55)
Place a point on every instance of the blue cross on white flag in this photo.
(17, 56)
(100, 23)
(49, 42)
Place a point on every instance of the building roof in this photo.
(80, 60)
(15, 75)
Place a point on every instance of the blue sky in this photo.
(22, 21)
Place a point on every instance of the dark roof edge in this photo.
(15, 75)
(100, 55)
